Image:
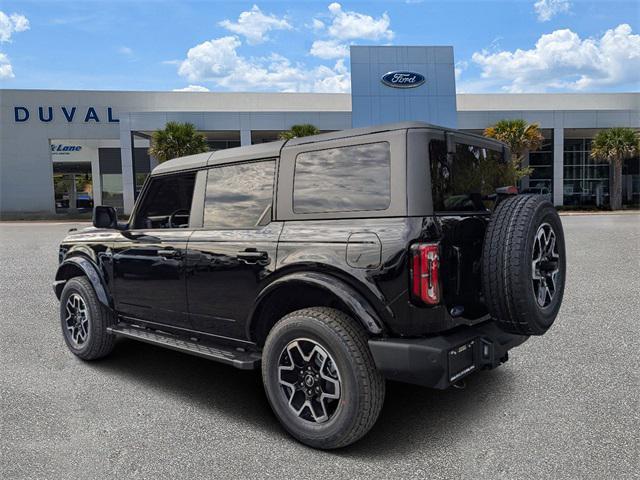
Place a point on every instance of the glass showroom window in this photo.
(586, 181)
(541, 161)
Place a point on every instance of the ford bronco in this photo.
(332, 262)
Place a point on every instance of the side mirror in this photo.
(105, 217)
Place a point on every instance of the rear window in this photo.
(467, 181)
(345, 179)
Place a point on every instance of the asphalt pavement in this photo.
(566, 405)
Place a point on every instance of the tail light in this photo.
(425, 269)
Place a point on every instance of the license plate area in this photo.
(462, 360)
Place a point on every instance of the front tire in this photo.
(320, 378)
(84, 320)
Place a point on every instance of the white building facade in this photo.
(63, 151)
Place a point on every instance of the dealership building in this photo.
(63, 151)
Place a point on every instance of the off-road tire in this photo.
(362, 385)
(99, 342)
(507, 265)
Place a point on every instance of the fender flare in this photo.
(354, 301)
(91, 271)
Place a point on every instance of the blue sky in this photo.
(500, 46)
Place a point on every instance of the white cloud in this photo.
(254, 25)
(6, 70)
(344, 27)
(192, 88)
(210, 59)
(219, 62)
(561, 60)
(10, 24)
(347, 25)
(329, 49)
(127, 51)
(547, 9)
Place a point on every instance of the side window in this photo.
(167, 202)
(465, 183)
(345, 179)
(239, 196)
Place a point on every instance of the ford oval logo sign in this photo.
(402, 79)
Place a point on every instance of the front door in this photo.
(230, 258)
(149, 281)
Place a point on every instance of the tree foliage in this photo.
(302, 130)
(177, 140)
(614, 146)
(522, 137)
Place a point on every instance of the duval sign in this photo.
(403, 79)
(47, 114)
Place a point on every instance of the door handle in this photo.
(252, 256)
(168, 253)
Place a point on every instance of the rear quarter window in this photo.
(344, 179)
(465, 182)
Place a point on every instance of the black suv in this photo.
(332, 262)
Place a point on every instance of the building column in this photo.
(96, 180)
(245, 137)
(558, 166)
(126, 161)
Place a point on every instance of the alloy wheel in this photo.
(309, 380)
(545, 265)
(77, 320)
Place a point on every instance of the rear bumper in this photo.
(442, 360)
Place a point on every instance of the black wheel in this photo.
(85, 320)
(524, 265)
(320, 378)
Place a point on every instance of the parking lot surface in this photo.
(564, 406)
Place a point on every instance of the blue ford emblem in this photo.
(401, 79)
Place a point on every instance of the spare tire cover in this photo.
(524, 265)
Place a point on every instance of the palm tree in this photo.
(614, 146)
(176, 140)
(302, 130)
(522, 137)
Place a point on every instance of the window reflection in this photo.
(465, 183)
(343, 179)
(239, 196)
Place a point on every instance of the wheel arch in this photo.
(80, 266)
(299, 290)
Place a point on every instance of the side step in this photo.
(228, 355)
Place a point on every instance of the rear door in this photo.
(148, 260)
(463, 184)
(234, 252)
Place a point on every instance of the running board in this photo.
(238, 358)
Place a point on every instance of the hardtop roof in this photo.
(272, 149)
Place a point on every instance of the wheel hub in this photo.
(76, 320)
(309, 380)
(545, 265)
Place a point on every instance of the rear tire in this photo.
(84, 320)
(339, 367)
(524, 265)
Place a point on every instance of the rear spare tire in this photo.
(524, 265)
